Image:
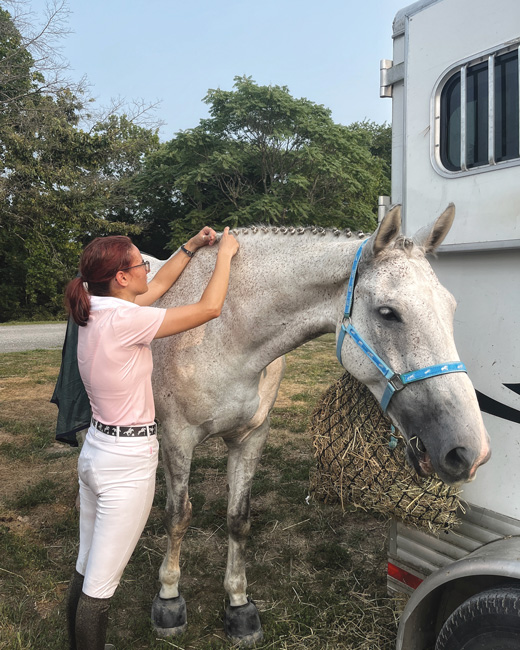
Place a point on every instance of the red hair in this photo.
(99, 263)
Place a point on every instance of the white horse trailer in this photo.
(454, 84)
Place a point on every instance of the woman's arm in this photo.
(181, 319)
(171, 270)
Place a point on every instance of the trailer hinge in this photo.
(383, 205)
(389, 74)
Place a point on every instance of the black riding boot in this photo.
(91, 623)
(71, 605)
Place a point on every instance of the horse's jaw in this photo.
(444, 429)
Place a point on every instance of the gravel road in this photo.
(16, 338)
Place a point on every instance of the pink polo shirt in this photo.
(115, 360)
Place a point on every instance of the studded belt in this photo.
(137, 431)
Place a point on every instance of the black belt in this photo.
(137, 431)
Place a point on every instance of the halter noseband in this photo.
(396, 382)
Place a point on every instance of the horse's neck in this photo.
(288, 289)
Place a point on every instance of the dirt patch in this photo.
(17, 476)
(16, 523)
(5, 436)
(20, 398)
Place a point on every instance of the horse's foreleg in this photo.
(242, 622)
(169, 609)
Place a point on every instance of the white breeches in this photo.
(116, 488)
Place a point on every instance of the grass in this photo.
(51, 321)
(45, 491)
(37, 365)
(318, 575)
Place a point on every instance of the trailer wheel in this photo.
(487, 620)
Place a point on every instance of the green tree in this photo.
(61, 188)
(263, 156)
(16, 78)
(59, 185)
(378, 139)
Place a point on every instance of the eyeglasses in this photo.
(136, 266)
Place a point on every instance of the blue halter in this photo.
(396, 382)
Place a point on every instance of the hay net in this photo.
(361, 462)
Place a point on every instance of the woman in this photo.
(110, 302)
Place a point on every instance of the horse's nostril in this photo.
(459, 460)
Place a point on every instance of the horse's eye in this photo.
(389, 314)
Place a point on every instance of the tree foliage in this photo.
(261, 156)
(265, 156)
(59, 185)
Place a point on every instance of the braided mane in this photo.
(298, 230)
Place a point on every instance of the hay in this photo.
(357, 466)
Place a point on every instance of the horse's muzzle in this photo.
(484, 457)
(418, 457)
(458, 465)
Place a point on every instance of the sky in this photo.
(173, 51)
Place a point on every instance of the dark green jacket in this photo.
(69, 394)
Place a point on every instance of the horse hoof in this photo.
(169, 616)
(242, 624)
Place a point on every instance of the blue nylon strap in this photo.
(387, 396)
(352, 281)
(371, 354)
(395, 382)
(418, 375)
(348, 302)
(339, 344)
(433, 371)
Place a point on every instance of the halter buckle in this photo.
(396, 382)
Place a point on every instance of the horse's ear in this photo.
(432, 240)
(388, 230)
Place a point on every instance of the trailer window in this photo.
(478, 111)
(450, 124)
(506, 107)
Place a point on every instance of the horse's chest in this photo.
(230, 409)
(214, 397)
(203, 392)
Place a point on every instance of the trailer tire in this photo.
(487, 620)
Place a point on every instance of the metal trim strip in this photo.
(463, 117)
(491, 110)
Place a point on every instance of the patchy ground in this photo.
(318, 575)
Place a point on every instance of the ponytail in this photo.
(77, 301)
(99, 263)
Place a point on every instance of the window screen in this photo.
(479, 113)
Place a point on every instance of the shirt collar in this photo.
(98, 303)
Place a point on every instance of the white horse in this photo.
(221, 379)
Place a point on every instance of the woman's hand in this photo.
(228, 244)
(206, 237)
(181, 319)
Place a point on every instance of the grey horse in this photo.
(288, 286)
